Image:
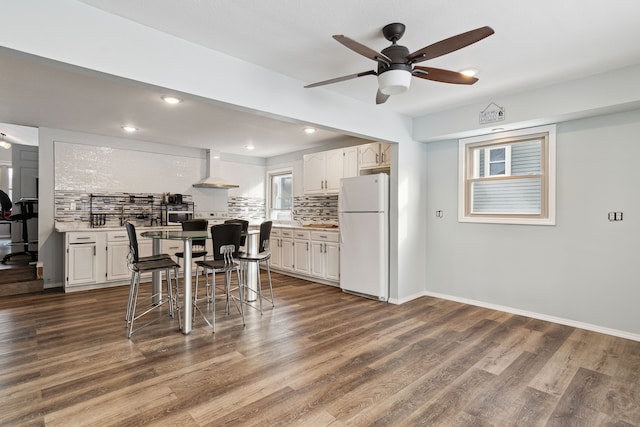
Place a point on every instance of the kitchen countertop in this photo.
(65, 227)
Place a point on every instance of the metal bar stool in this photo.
(263, 255)
(226, 242)
(139, 265)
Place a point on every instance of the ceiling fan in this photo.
(395, 63)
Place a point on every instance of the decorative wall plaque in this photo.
(493, 113)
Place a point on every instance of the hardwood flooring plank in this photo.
(320, 358)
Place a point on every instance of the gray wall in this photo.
(584, 269)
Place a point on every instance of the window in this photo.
(280, 194)
(508, 178)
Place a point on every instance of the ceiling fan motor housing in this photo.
(394, 78)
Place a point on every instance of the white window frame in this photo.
(467, 173)
(270, 175)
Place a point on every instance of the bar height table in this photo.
(187, 238)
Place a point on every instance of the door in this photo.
(117, 260)
(332, 260)
(81, 264)
(364, 254)
(314, 173)
(369, 155)
(287, 254)
(317, 259)
(350, 162)
(333, 168)
(301, 256)
(366, 193)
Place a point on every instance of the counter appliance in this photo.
(363, 212)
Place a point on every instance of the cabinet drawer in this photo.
(287, 233)
(301, 234)
(324, 236)
(276, 232)
(82, 237)
(117, 236)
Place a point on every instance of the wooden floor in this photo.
(319, 358)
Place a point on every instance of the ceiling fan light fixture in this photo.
(394, 82)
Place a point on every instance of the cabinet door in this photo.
(385, 154)
(117, 261)
(314, 173)
(369, 155)
(287, 254)
(317, 259)
(350, 162)
(333, 170)
(301, 256)
(81, 264)
(275, 246)
(332, 258)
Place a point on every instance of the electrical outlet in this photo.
(614, 216)
(439, 214)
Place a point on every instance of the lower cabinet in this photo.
(314, 254)
(325, 255)
(301, 252)
(81, 266)
(117, 252)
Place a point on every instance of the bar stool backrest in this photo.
(133, 242)
(265, 235)
(245, 227)
(196, 225)
(223, 236)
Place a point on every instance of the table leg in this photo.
(156, 276)
(187, 306)
(252, 268)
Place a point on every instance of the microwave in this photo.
(176, 214)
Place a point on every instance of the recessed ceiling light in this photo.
(171, 100)
(250, 147)
(497, 129)
(309, 130)
(129, 129)
(469, 72)
(215, 154)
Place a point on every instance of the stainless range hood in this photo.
(212, 181)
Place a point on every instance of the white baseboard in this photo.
(539, 316)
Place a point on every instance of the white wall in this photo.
(93, 163)
(585, 269)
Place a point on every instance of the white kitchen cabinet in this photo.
(81, 263)
(350, 162)
(117, 252)
(301, 252)
(286, 247)
(323, 171)
(275, 241)
(374, 155)
(325, 255)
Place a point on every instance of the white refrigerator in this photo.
(363, 212)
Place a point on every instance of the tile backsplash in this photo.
(75, 206)
(315, 209)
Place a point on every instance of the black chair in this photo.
(5, 212)
(226, 241)
(27, 212)
(263, 255)
(139, 265)
(245, 227)
(198, 245)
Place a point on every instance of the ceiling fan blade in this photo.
(444, 76)
(362, 49)
(381, 97)
(343, 78)
(450, 45)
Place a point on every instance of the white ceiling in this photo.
(535, 44)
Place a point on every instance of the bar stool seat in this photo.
(263, 256)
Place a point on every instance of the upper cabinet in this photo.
(375, 155)
(323, 170)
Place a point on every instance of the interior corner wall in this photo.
(584, 269)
